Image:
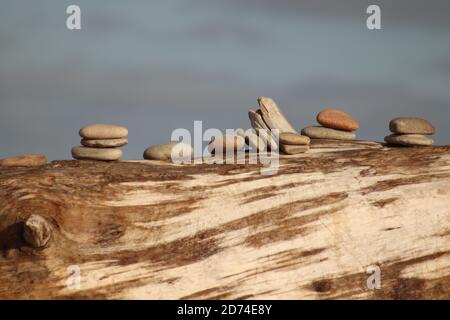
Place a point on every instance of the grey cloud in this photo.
(224, 31)
(409, 12)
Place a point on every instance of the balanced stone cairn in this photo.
(101, 142)
(410, 132)
(293, 143)
(266, 120)
(336, 125)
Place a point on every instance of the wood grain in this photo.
(153, 230)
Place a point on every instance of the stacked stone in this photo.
(101, 142)
(293, 143)
(410, 132)
(336, 125)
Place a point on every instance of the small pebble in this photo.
(25, 160)
(252, 139)
(293, 149)
(164, 151)
(226, 143)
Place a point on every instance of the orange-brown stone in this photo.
(336, 119)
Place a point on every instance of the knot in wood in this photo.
(37, 231)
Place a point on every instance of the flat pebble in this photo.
(105, 154)
(293, 149)
(327, 133)
(293, 138)
(27, 160)
(104, 143)
(103, 131)
(409, 140)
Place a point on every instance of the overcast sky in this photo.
(155, 66)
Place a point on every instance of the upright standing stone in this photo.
(273, 116)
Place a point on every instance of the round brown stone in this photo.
(24, 160)
(336, 119)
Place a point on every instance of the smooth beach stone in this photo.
(226, 143)
(409, 140)
(105, 154)
(27, 160)
(293, 138)
(293, 149)
(163, 151)
(103, 131)
(327, 133)
(410, 125)
(336, 119)
(104, 143)
(252, 139)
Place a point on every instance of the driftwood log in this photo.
(153, 230)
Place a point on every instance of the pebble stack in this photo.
(335, 124)
(101, 142)
(410, 132)
(293, 143)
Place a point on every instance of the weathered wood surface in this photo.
(151, 230)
